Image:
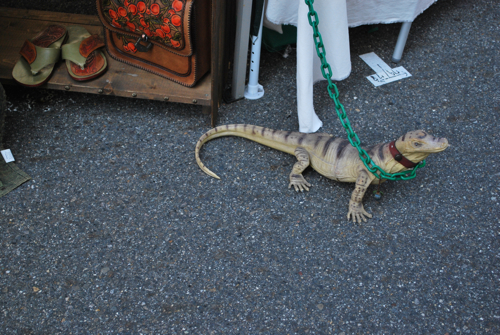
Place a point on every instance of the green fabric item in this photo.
(274, 41)
(10, 175)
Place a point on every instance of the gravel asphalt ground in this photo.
(119, 231)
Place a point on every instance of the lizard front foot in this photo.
(357, 211)
(299, 183)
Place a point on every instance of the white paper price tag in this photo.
(388, 76)
(383, 72)
(7, 156)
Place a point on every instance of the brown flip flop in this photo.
(39, 56)
(84, 60)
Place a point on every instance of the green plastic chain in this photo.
(339, 108)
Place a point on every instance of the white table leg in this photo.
(400, 44)
(254, 90)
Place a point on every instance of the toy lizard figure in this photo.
(333, 157)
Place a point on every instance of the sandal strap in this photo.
(78, 52)
(91, 44)
(38, 57)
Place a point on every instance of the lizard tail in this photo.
(212, 133)
(265, 136)
(204, 138)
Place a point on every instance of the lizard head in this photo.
(417, 145)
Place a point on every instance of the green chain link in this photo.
(326, 71)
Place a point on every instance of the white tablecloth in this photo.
(335, 16)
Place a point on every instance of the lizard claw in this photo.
(299, 183)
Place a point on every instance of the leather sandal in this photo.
(39, 56)
(83, 59)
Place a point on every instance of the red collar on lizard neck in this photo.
(399, 156)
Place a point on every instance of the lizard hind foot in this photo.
(299, 183)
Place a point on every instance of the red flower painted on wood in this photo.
(144, 23)
(113, 14)
(155, 9)
(177, 5)
(131, 26)
(141, 7)
(159, 33)
(165, 28)
(176, 20)
(130, 47)
(132, 9)
(122, 11)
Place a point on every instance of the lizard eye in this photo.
(417, 144)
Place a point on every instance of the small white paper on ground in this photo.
(386, 77)
(7, 155)
(383, 72)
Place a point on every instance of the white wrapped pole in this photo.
(253, 90)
